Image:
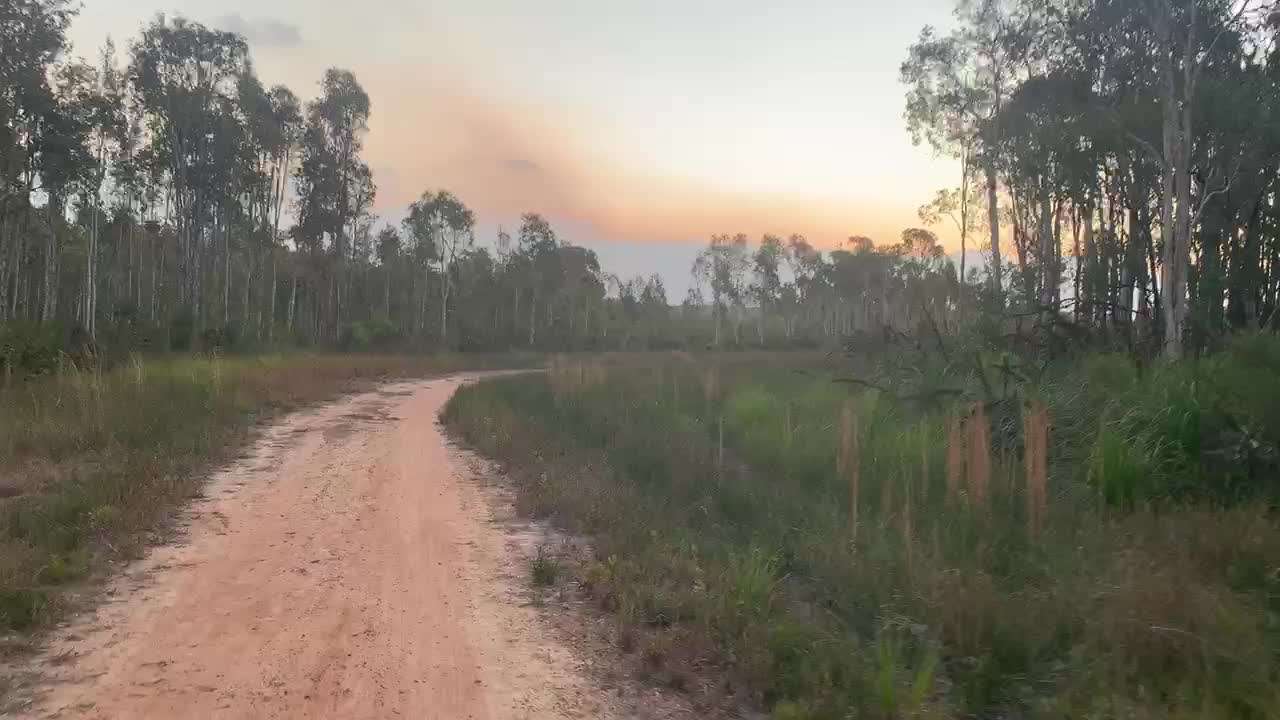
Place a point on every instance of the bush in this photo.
(544, 568)
(220, 339)
(182, 328)
(1205, 429)
(30, 350)
(377, 334)
(21, 608)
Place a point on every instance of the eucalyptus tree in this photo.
(956, 205)
(107, 136)
(62, 163)
(280, 134)
(537, 243)
(956, 87)
(33, 38)
(184, 76)
(1186, 35)
(767, 284)
(444, 227)
(331, 185)
(453, 226)
(389, 248)
(723, 267)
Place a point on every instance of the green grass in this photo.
(722, 534)
(92, 462)
(544, 568)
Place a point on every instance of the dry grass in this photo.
(957, 447)
(849, 460)
(1035, 454)
(979, 460)
(570, 377)
(968, 457)
(711, 386)
(96, 460)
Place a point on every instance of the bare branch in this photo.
(1226, 186)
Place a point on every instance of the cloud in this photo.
(500, 157)
(262, 32)
(521, 165)
(503, 157)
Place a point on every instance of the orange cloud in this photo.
(503, 159)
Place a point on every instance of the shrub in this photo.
(377, 334)
(1205, 429)
(222, 338)
(544, 568)
(182, 329)
(31, 350)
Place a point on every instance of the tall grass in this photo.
(91, 461)
(986, 575)
(1035, 453)
(849, 460)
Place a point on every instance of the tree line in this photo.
(1127, 148)
(178, 201)
(1131, 148)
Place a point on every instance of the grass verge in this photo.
(93, 462)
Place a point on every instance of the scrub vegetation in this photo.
(840, 539)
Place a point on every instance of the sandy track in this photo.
(344, 568)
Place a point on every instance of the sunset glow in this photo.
(658, 124)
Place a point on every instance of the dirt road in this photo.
(346, 567)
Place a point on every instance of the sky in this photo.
(638, 128)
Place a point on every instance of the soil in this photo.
(352, 564)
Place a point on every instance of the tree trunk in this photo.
(136, 264)
(533, 317)
(246, 304)
(90, 273)
(515, 312)
(993, 219)
(444, 300)
(1047, 260)
(271, 301)
(157, 257)
(1078, 253)
(293, 303)
(1132, 268)
(1141, 278)
(386, 292)
(4, 263)
(1098, 273)
(1175, 196)
(49, 289)
(715, 311)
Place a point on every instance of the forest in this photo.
(1042, 487)
(1020, 461)
(165, 198)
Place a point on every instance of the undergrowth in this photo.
(1101, 545)
(544, 567)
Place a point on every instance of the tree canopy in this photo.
(1118, 169)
